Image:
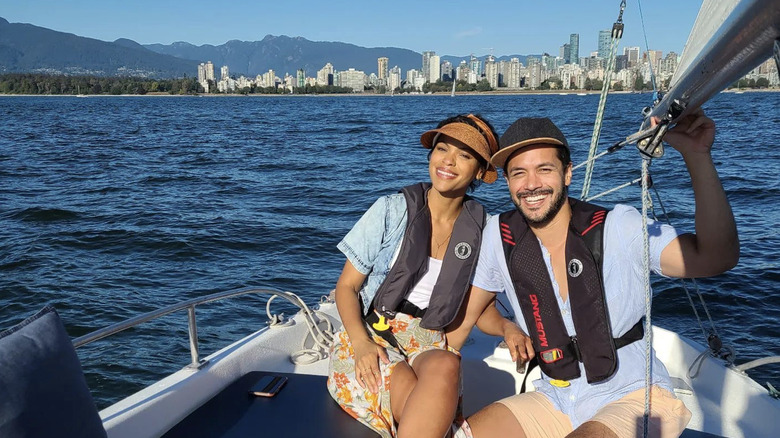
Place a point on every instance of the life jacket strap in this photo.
(378, 325)
(410, 309)
(635, 333)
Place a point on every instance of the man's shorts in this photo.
(539, 418)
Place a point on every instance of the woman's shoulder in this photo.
(392, 204)
(388, 209)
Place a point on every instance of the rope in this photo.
(617, 33)
(322, 338)
(647, 204)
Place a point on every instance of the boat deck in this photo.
(302, 408)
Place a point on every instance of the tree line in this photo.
(31, 83)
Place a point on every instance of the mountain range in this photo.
(26, 48)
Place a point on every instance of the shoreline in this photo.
(462, 93)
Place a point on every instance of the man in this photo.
(573, 275)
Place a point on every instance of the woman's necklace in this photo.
(439, 245)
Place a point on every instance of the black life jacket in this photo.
(458, 265)
(559, 354)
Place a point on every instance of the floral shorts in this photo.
(369, 408)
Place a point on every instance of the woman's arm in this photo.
(367, 353)
(474, 304)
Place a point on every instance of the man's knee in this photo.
(495, 420)
(593, 429)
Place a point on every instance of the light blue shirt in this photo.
(624, 287)
(373, 243)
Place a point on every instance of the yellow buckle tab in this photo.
(380, 325)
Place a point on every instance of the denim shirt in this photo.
(372, 245)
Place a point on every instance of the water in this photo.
(115, 206)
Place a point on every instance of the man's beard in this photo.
(555, 206)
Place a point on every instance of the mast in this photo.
(729, 39)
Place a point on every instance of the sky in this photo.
(455, 27)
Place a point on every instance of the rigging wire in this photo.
(617, 34)
(716, 346)
(647, 46)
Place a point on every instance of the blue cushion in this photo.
(43, 392)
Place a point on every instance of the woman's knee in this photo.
(438, 363)
(402, 382)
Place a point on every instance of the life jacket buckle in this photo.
(551, 355)
(576, 348)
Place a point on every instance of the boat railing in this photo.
(191, 322)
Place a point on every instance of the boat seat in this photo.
(689, 433)
(302, 408)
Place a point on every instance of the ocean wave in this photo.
(42, 214)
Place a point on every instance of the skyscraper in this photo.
(202, 77)
(475, 66)
(446, 71)
(632, 55)
(382, 68)
(434, 69)
(514, 73)
(209, 71)
(394, 78)
(605, 43)
(325, 75)
(269, 78)
(354, 79)
(462, 71)
(427, 59)
(565, 53)
(653, 57)
(574, 48)
(491, 71)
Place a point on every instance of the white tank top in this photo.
(420, 295)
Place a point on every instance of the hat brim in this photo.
(469, 136)
(499, 158)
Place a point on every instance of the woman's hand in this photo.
(367, 352)
(520, 346)
(367, 357)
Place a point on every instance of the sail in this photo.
(729, 38)
(712, 14)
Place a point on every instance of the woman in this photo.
(410, 258)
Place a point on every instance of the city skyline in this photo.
(565, 71)
(506, 28)
(633, 70)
